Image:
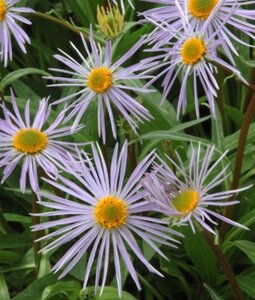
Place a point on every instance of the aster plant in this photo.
(101, 79)
(185, 197)
(159, 204)
(209, 16)
(10, 16)
(193, 56)
(29, 142)
(107, 215)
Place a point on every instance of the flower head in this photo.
(110, 20)
(99, 78)
(9, 15)
(107, 215)
(193, 56)
(185, 197)
(27, 142)
(222, 17)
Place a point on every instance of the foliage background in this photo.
(193, 272)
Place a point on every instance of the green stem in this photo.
(225, 265)
(64, 24)
(250, 92)
(132, 156)
(36, 234)
(220, 103)
(248, 117)
(239, 159)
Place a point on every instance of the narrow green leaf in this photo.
(247, 284)
(61, 287)
(189, 124)
(45, 266)
(8, 79)
(35, 289)
(9, 257)
(217, 130)
(201, 255)
(27, 262)
(214, 295)
(248, 248)
(9, 241)
(173, 270)
(112, 293)
(230, 142)
(165, 134)
(17, 218)
(235, 232)
(4, 293)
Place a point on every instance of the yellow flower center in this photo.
(186, 201)
(2, 9)
(100, 80)
(111, 212)
(30, 141)
(201, 9)
(192, 50)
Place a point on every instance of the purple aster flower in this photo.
(105, 217)
(99, 78)
(191, 56)
(26, 141)
(185, 197)
(9, 15)
(210, 16)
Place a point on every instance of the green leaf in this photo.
(9, 257)
(35, 289)
(45, 266)
(26, 262)
(69, 288)
(247, 284)
(214, 295)
(8, 79)
(248, 248)
(167, 134)
(84, 14)
(112, 293)
(173, 270)
(236, 233)
(109, 293)
(189, 124)
(217, 130)
(201, 255)
(18, 218)
(9, 241)
(230, 142)
(4, 293)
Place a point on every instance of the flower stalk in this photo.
(226, 267)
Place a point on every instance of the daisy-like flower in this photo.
(9, 15)
(99, 78)
(27, 142)
(186, 197)
(106, 216)
(192, 57)
(222, 16)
